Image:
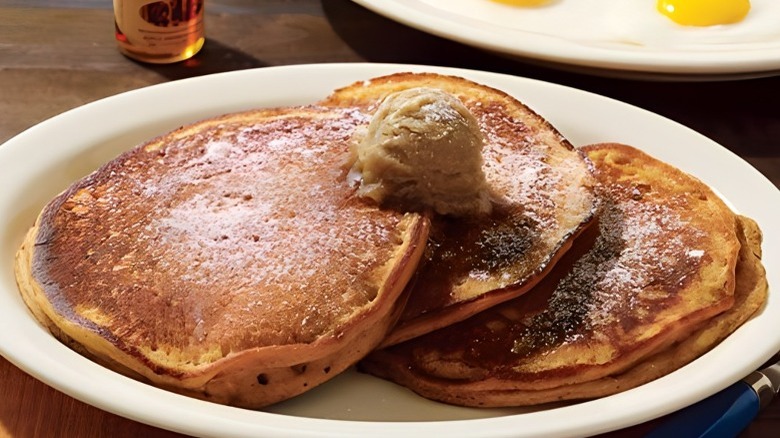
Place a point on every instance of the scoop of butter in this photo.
(422, 149)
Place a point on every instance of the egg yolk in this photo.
(704, 12)
(523, 2)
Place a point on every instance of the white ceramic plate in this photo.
(616, 38)
(40, 162)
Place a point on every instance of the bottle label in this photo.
(159, 26)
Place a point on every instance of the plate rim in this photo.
(227, 421)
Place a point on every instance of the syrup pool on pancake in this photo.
(625, 24)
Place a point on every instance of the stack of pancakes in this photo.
(231, 260)
(668, 273)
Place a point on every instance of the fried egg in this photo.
(626, 24)
(685, 12)
(704, 12)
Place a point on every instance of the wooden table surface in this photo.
(59, 54)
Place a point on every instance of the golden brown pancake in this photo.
(228, 260)
(542, 194)
(648, 293)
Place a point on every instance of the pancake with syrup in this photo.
(667, 274)
(543, 196)
(228, 260)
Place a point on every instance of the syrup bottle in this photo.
(159, 31)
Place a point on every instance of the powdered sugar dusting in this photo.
(440, 112)
(645, 252)
(522, 169)
(655, 253)
(218, 150)
(261, 214)
(552, 190)
(643, 255)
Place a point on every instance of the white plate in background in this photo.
(40, 162)
(615, 38)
